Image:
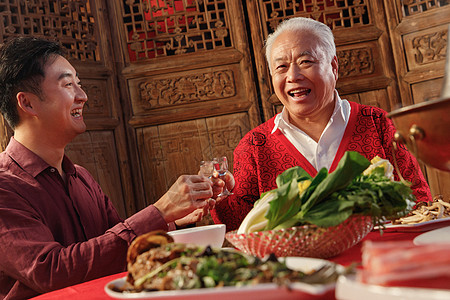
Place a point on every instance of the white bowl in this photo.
(209, 235)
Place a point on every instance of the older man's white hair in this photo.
(322, 31)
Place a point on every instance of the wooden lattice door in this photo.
(187, 83)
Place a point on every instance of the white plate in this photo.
(347, 288)
(261, 291)
(417, 227)
(441, 235)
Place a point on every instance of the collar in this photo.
(282, 119)
(33, 163)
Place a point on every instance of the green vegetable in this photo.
(331, 198)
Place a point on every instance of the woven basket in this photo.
(307, 240)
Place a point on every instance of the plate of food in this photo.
(159, 268)
(415, 227)
(265, 291)
(426, 216)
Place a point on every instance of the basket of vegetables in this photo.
(324, 215)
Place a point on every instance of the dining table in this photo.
(94, 289)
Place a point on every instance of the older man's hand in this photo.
(219, 184)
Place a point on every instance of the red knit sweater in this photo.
(261, 156)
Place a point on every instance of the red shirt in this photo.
(52, 234)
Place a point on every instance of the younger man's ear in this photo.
(24, 102)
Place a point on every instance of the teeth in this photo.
(298, 91)
(76, 112)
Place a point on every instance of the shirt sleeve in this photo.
(32, 257)
(144, 221)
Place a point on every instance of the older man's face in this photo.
(303, 78)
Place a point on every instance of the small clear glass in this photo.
(206, 168)
(221, 166)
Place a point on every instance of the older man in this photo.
(57, 227)
(316, 126)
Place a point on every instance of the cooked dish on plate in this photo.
(155, 263)
(426, 211)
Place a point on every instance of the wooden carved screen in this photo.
(366, 72)
(419, 33)
(187, 83)
(77, 25)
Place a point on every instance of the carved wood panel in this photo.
(426, 47)
(418, 31)
(82, 28)
(189, 87)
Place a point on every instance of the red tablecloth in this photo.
(94, 289)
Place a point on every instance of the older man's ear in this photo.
(335, 66)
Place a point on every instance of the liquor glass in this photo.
(206, 168)
(221, 166)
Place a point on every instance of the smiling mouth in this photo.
(77, 112)
(299, 92)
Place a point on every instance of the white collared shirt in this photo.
(319, 154)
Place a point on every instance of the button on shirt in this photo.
(320, 154)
